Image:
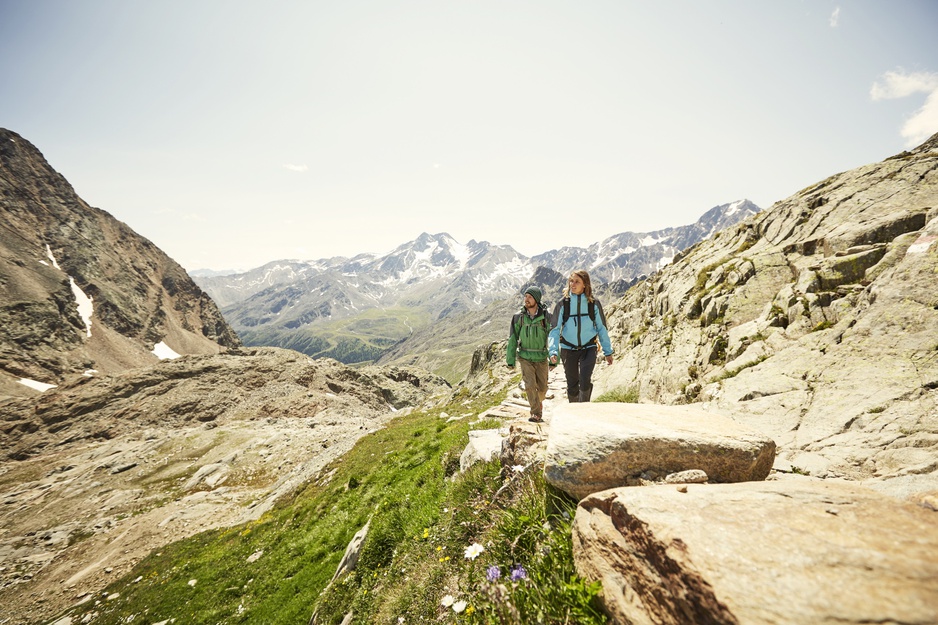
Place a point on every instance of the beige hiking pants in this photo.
(534, 375)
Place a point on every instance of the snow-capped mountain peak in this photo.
(436, 274)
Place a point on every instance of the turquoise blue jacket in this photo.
(579, 329)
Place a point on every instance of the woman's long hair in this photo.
(588, 287)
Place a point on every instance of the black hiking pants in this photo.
(578, 365)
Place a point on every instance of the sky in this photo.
(233, 133)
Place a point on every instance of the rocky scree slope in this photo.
(99, 472)
(815, 321)
(56, 250)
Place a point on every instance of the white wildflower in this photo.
(474, 550)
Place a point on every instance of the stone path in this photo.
(516, 405)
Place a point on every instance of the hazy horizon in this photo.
(232, 134)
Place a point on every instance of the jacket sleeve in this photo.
(553, 339)
(604, 341)
(512, 348)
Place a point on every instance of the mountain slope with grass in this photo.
(442, 546)
(98, 474)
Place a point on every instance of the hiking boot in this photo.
(585, 395)
(536, 418)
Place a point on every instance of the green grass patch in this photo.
(732, 373)
(623, 394)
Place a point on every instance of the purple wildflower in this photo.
(492, 573)
(518, 573)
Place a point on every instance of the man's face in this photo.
(529, 302)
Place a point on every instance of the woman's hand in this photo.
(608, 360)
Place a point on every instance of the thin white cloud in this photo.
(291, 167)
(924, 122)
(835, 17)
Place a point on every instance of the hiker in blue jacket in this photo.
(578, 320)
(527, 339)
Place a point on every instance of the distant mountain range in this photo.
(630, 255)
(356, 309)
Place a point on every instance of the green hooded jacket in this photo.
(527, 336)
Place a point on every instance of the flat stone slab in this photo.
(595, 446)
(783, 552)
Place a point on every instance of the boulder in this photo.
(484, 445)
(596, 446)
(352, 551)
(524, 444)
(783, 552)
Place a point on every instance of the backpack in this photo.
(590, 311)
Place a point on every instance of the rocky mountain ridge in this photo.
(79, 290)
(489, 269)
(630, 255)
(358, 309)
(815, 322)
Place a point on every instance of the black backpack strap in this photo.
(545, 316)
(516, 327)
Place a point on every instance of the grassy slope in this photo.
(359, 339)
(277, 569)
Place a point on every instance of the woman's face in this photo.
(576, 285)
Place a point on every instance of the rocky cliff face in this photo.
(80, 290)
(816, 321)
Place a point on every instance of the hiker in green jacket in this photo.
(527, 338)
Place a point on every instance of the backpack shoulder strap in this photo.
(602, 313)
(516, 322)
(545, 316)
